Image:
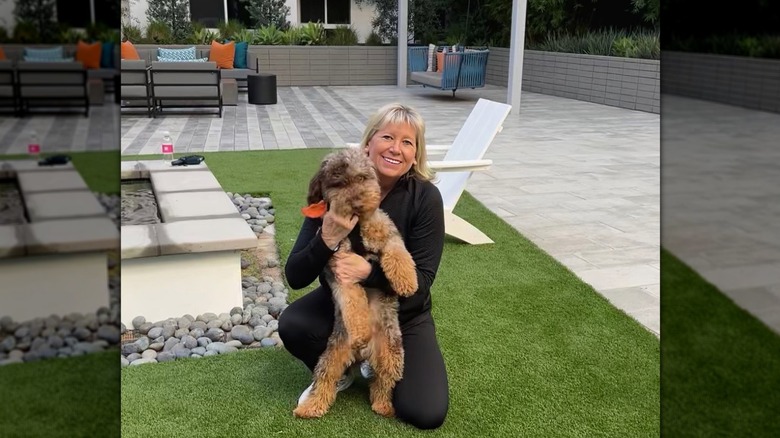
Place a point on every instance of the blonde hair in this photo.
(396, 113)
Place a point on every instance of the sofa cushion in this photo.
(107, 55)
(187, 54)
(48, 54)
(161, 59)
(241, 54)
(89, 54)
(33, 59)
(426, 77)
(129, 51)
(236, 73)
(223, 54)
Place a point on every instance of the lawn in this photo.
(529, 348)
(721, 366)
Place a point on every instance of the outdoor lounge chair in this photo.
(463, 157)
(462, 69)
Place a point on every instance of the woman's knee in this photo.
(429, 416)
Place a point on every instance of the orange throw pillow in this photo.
(439, 62)
(2, 54)
(89, 54)
(223, 54)
(128, 51)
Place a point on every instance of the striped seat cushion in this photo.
(42, 59)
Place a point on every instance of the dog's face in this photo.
(348, 180)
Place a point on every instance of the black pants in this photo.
(421, 397)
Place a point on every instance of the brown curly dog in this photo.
(366, 320)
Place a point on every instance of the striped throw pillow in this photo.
(48, 54)
(187, 54)
(181, 60)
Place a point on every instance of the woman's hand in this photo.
(336, 228)
(350, 268)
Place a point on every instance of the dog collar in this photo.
(315, 210)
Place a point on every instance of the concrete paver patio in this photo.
(67, 132)
(580, 180)
(720, 209)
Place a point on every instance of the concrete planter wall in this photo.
(329, 65)
(623, 82)
(734, 80)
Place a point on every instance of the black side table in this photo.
(261, 88)
(117, 89)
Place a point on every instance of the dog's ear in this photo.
(315, 187)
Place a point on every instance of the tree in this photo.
(267, 12)
(174, 13)
(39, 14)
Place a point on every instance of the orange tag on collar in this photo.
(315, 210)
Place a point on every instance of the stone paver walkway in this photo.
(720, 203)
(63, 132)
(580, 180)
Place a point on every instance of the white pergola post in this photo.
(403, 33)
(224, 3)
(92, 11)
(516, 49)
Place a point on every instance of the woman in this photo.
(394, 140)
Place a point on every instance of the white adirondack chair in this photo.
(463, 157)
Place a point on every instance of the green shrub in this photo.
(374, 39)
(26, 32)
(228, 31)
(342, 36)
(3, 35)
(132, 33)
(625, 47)
(244, 35)
(606, 42)
(71, 36)
(269, 36)
(158, 32)
(202, 36)
(756, 46)
(293, 36)
(312, 34)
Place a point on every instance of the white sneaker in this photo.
(344, 383)
(366, 371)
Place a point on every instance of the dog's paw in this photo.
(383, 408)
(403, 287)
(309, 411)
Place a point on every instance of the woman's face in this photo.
(392, 150)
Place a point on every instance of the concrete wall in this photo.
(622, 82)
(734, 80)
(329, 65)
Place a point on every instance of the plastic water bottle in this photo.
(167, 147)
(34, 147)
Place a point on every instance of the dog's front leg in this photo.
(353, 304)
(399, 268)
(381, 236)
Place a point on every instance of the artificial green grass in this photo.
(721, 366)
(72, 397)
(530, 349)
(100, 169)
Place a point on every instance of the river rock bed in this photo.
(254, 325)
